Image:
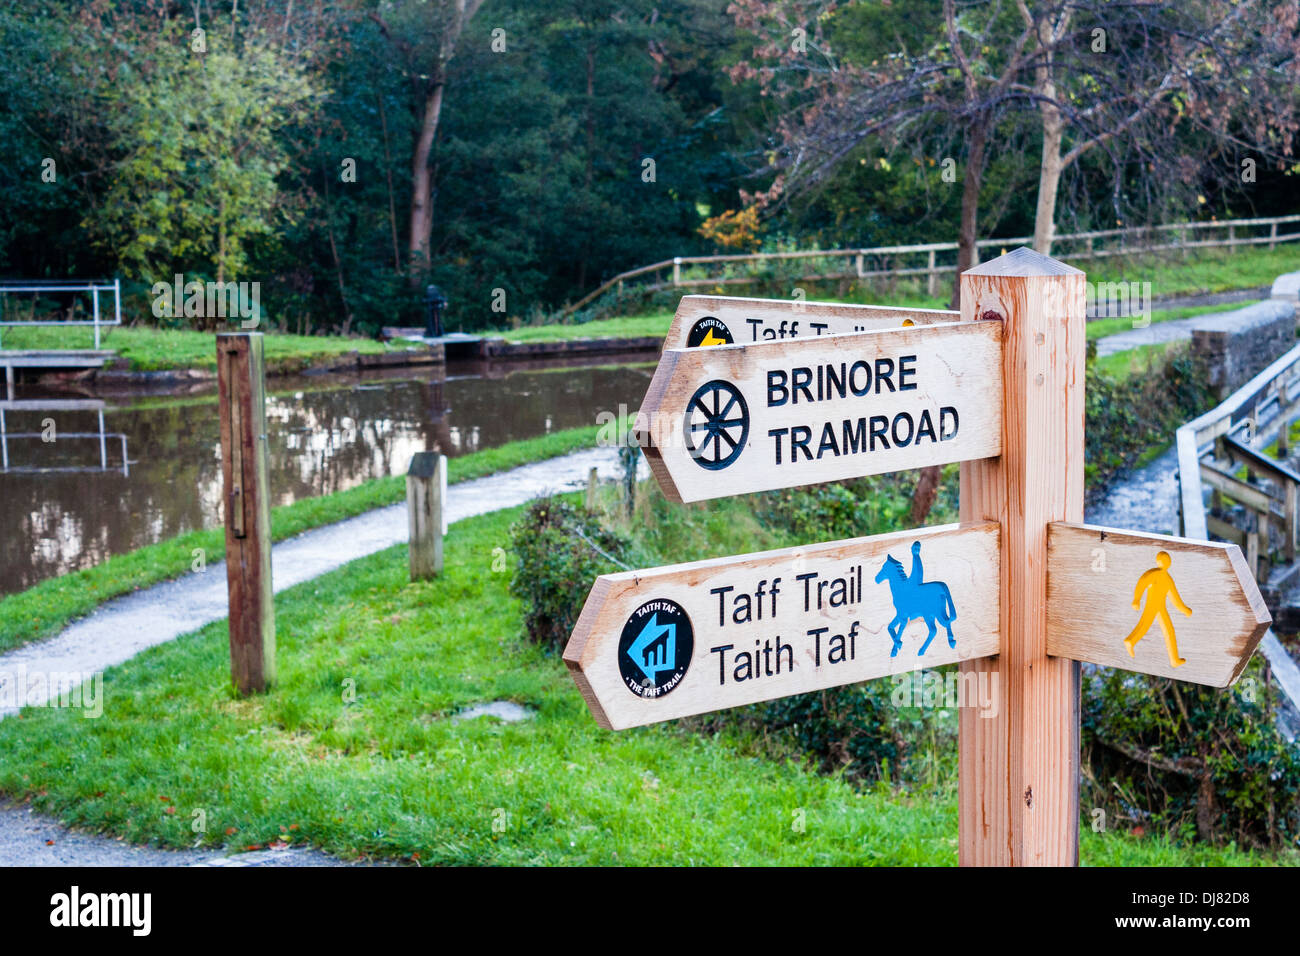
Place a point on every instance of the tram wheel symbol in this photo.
(717, 424)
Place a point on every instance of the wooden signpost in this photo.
(706, 320)
(1017, 594)
(241, 402)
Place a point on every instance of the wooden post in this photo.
(1019, 770)
(591, 489)
(424, 487)
(929, 276)
(241, 400)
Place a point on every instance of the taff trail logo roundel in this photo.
(717, 424)
(709, 331)
(656, 648)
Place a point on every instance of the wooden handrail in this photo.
(1190, 440)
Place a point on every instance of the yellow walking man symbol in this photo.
(1158, 584)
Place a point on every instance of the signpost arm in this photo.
(1019, 769)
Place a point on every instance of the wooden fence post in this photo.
(241, 400)
(1019, 767)
(424, 504)
(592, 480)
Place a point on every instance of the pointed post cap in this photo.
(1023, 262)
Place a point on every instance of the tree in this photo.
(841, 75)
(199, 158)
(425, 36)
(1143, 82)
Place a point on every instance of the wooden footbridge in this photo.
(1241, 454)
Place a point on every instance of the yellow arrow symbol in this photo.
(711, 339)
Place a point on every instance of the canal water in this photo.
(70, 502)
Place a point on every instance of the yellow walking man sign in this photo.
(1158, 584)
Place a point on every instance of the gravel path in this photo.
(124, 627)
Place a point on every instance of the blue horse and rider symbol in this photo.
(916, 599)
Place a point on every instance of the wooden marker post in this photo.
(1019, 769)
(425, 487)
(241, 400)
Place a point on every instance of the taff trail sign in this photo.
(707, 320)
(1016, 594)
(691, 638)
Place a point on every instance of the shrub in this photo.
(561, 550)
(1126, 417)
(1195, 761)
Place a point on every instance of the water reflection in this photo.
(325, 434)
(75, 451)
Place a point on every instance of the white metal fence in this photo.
(63, 287)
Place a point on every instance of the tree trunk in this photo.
(392, 202)
(927, 489)
(967, 254)
(334, 254)
(591, 151)
(1049, 171)
(422, 187)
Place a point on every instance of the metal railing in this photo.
(1210, 450)
(65, 286)
(880, 261)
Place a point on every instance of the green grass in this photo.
(387, 773)
(1170, 275)
(46, 608)
(150, 349)
(1207, 270)
(1136, 361)
(655, 323)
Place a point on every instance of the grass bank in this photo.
(150, 349)
(357, 749)
(47, 608)
(1170, 275)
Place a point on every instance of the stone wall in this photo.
(1232, 347)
